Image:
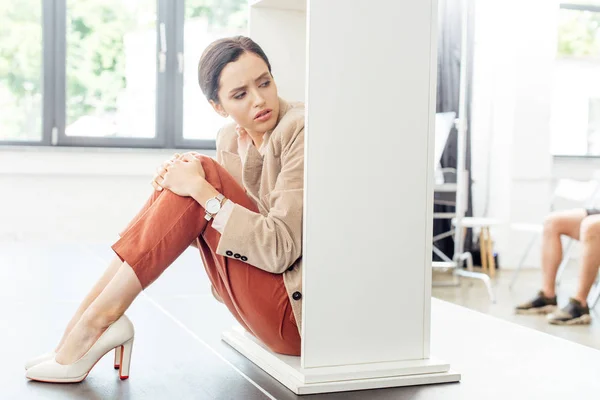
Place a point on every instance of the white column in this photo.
(279, 27)
(370, 96)
(368, 191)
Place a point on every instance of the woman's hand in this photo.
(162, 170)
(240, 130)
(183, 176)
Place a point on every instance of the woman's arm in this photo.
(203, 191)
(272, 242)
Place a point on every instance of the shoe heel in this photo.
(117, 357)
(125, 359)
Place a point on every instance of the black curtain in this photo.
(448, 83)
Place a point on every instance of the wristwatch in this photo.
(213, 205)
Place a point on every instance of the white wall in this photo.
(68, 194)
(514, 51)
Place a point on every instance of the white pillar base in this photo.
(287, 370)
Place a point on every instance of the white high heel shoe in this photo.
(49, 356)
(119, 335)
(39, 359)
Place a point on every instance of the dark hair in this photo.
(217, 55)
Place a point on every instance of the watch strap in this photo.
(219, 197)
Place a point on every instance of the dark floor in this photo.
(178, 351)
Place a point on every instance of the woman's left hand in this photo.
(183, 176)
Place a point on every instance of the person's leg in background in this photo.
(590, 257)
(577, 311)
(556, 224)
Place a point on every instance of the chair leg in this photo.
(483, 250)
(594, 301)
(461, 273)
(522, 260)
(564, 262)
(490, 252)
(594, 296)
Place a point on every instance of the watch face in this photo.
(213, 206)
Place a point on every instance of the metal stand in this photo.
(462, 181)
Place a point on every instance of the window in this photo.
(575, 114)
(111, 68)
(21, 70)
(202, 26)
(116, 73)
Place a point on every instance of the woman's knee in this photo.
(590, 229)
(208, 163)
(556, 224)
(204, 159)
(201, 157)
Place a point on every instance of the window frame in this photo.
(580, 7)
(169, 85)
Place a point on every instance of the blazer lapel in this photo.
(233, 164)
(252, 172)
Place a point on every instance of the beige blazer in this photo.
(272, 239)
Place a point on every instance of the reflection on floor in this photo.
(472, 294)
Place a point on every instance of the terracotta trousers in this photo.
(168, 224)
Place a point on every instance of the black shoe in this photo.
(539, 305)
(572, 314)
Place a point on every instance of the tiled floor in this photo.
(178, 352)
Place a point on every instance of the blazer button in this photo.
(236, 255)
(229, 253)
(244, 258)
(297, 296)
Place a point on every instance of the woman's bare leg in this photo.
(110, 272)
(107, 307)
(557, 224)
(94, 292)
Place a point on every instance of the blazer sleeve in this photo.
(272, 242)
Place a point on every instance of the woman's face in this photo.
(248, 93)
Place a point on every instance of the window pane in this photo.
(204, 24)
(21, 70)
(579, 33)
(575, 115)
(111, 68)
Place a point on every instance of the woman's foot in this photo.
(39, 359)
(110, 272)
(119, 334)
(82, 337)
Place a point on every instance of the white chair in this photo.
(446, 194)
(445, 191)
(594, 295)
(584, 193)
(485, 240)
